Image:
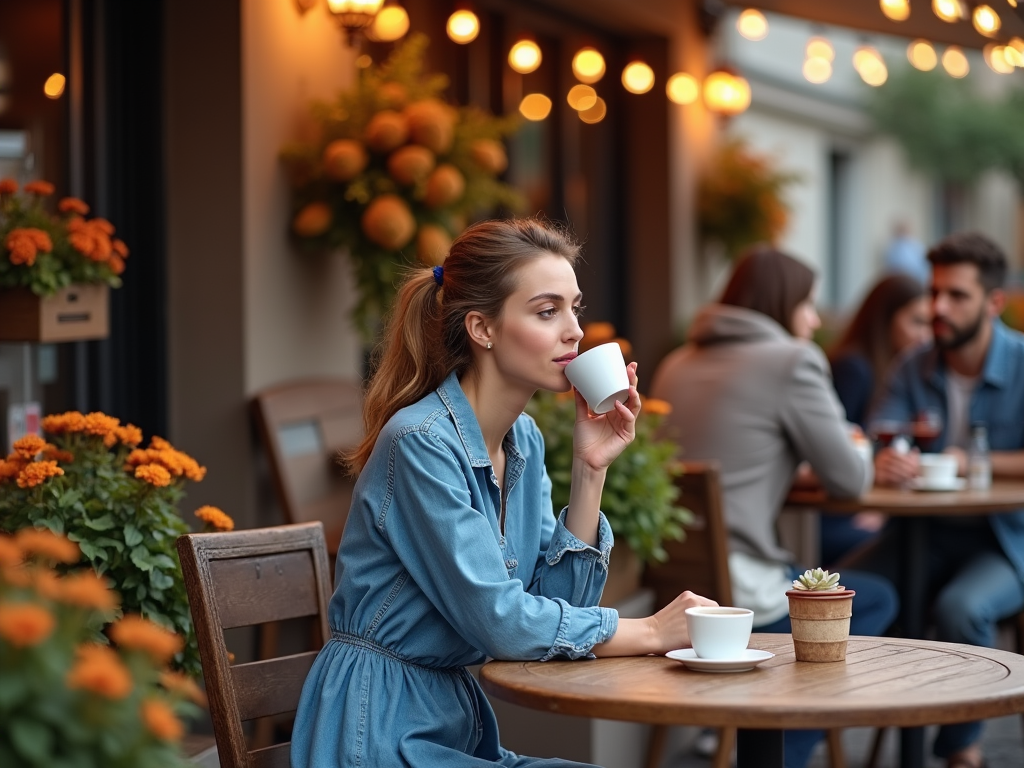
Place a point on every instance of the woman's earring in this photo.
(489, 345)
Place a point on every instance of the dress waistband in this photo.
(361, 642)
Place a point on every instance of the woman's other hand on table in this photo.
(893, 468)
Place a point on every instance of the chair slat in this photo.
(271, 686)
(254, 590)
(277, 756)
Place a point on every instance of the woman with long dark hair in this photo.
(752, 393)
(451, 553)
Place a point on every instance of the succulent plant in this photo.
(817, 580)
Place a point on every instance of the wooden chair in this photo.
(246, 578)
(700, 563)
(303, 424)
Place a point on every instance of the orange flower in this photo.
(25, 624)
(11, 468)
(29, 445)
(25, 242)
(100, 670)
(97, 423)
(103, 226)
(174, 461)
(48, 545)
(160, 444)
(116, 264)
(46, 582)
(59, 423)
(139, 634)
(657, 407)
(161, 721)
(87, 589)
(153, 474)
(119, 248)
(184, 686)
(16, 576)
(91, 238)
(8, 186)
(10, 552)
(129, 434)
(56, 454)
(215, 518)
(37, 473)
(39, 188)
(73, 205)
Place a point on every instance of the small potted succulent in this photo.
(819, 610)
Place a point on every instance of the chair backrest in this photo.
(699, 562)
(303, 424)
(247, 578)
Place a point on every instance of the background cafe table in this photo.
(883, 682)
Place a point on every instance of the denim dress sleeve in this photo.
(450, 551)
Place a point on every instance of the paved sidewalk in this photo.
(1003, 742)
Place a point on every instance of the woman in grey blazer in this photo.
(751, 391)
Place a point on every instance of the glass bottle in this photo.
(979, 464)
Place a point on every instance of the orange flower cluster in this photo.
(87, 589)
(139, 634)
(100, 670)
(38, 472)
(46, 544)
(92, 238)
(656, 406)
(10, 552)
(215, 518)
(73, 205)
(95, 423)
(8, 186)
(153, 474)
(29, 446)
(25, 624)
(25, 243)
(40, 187)
(184, 686)
(161, 721)
(162, 454)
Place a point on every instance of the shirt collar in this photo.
(995, 371)
(466, 425)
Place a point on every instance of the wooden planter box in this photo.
(75, 313)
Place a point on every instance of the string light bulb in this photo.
(682, 88)
(535, 106)
(995, 57)
(817, 70)
(525, 57)
(955, 62)
(897, 10)
(870, 65)
(726, 93)
(463, 27)
(947, 10)
(54, 85)
(588, 65)
(596, 113)
(820, 48)
(581, 97)
(986, 20)
(752, 24)
(637, 77)
(922, 55)
(390, 24)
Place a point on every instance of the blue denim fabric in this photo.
(874, 608)
(427, 583)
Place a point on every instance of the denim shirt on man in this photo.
(427, 582)
(919, 382)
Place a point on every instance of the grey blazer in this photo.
(747, 394)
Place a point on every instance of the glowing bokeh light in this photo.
(820, 48)
(986, 20)
(897, 10)
(682, 88)
(463, 27)
(588, 65)
(390, 24)
(535, 106)
(726, 93)
(524, 57)
(596, 113)
(955, 62)
(752, 25)
(922, 55)
(54, 85)
(637, 77)
(581, 97)
(817, 70)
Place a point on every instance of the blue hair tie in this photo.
(439, 275)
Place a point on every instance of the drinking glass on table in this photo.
(885, 431)
(926, 428)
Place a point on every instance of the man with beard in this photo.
(972, 373)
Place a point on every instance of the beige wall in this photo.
(296, 305)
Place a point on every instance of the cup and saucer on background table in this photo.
(938, 473)
(720, 636)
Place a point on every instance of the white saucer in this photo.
(923, 484)
(750, 659)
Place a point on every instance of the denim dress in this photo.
(436, 572)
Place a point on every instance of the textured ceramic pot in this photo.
(821, 623)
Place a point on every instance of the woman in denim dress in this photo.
(451, 554)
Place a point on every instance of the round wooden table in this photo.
(914, 508)
(883, 682)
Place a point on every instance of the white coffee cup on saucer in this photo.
(719, 632)
(938, 469)
(600, 376)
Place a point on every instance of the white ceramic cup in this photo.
(938, 468)
(719, 632)
(600, 376)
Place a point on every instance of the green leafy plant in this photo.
(740, 198)
(118, 503)
(640, 494)
(394, 174)
(69, 697)
(817, 580)
(948, 128)
(44, 251)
